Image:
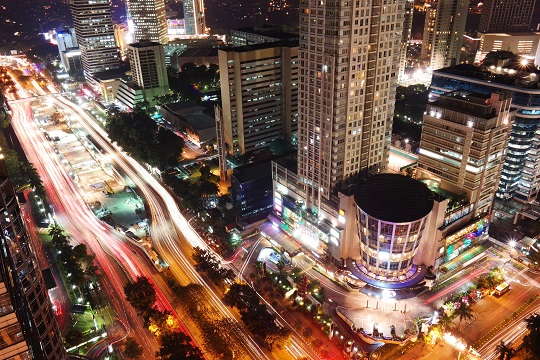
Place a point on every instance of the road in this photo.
(76, 218)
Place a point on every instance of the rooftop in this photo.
(395, 198)
(268, 30)
(253, 171)
(200, 52)
(518, 78)
(143, 44)
(261, 46)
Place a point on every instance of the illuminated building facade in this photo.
(27, 323)
(392, 213)
(506, 16)
(194, 20)
(95, 35)
(147, 18)
(463, 144)
(443, 32)
(520, 176)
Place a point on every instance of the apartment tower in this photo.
(259, 95)
(147, 20)
(349, 58)
(95, 35)
(464, 140)
(405, 37)
(443, 32)
(194, 19)
(506, 16)
(27, 323)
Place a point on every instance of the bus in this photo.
(501, 289)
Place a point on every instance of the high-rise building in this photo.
(27, 323)
(259, 95)
(149, 74)
(68, 49)
(405, 37)
(464, 140)
(506, 16)
(443, 32)
(520, 176)
(348, 66)
(259, 34)
(147, 20)
(194, 19)
(349, 58)
(95, 35)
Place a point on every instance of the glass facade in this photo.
(521, 170)
(388, 248)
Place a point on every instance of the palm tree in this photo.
(113, 111)
(464, 312)
(504, 351)
(446, 321)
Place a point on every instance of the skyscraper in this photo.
(194, 19)
(27, 324)
(149, 74)
(464, 139)
(95, 35)
(520, 176)
(349, 57)
(260, 103)
(147, 20)
(506, 16)
(443, 32)
(405, 37)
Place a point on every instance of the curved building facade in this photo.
(392, 212)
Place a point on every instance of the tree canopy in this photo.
(176, 345)
(139, 135)
(140, 294)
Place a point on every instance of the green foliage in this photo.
(141, 294)
(504, 351)
(75, 263)
(464, 312)
(177, 345)
(531, 341)
(73, 337)
(207, 263)
(138, 134)
(256, 316)
(132, 349)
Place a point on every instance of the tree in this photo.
(177, 346)
(531, 341)
(59, 239)
(140, 294)
(132, 349)
(33, 178)
(74, 337)
(445, 321)
(464, 312)
(504, 351)
(278, 338)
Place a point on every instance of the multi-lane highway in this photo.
(172, 235)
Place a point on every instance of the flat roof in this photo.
(199, 52)
(261, 46)
(200, 121)
(394, 198)
(253, 171)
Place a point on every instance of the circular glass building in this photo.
(392, 211)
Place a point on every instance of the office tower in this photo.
(520, 176)
(259, 34)
(349, 57)
(259, 95)
(147, 18)
(27, 323)
(464, 139)
(95, 35)
(506, 16)
(149, 74)
(68, 49)
(194, 19)
(443, 32)
(147, 62)
(405, 37)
